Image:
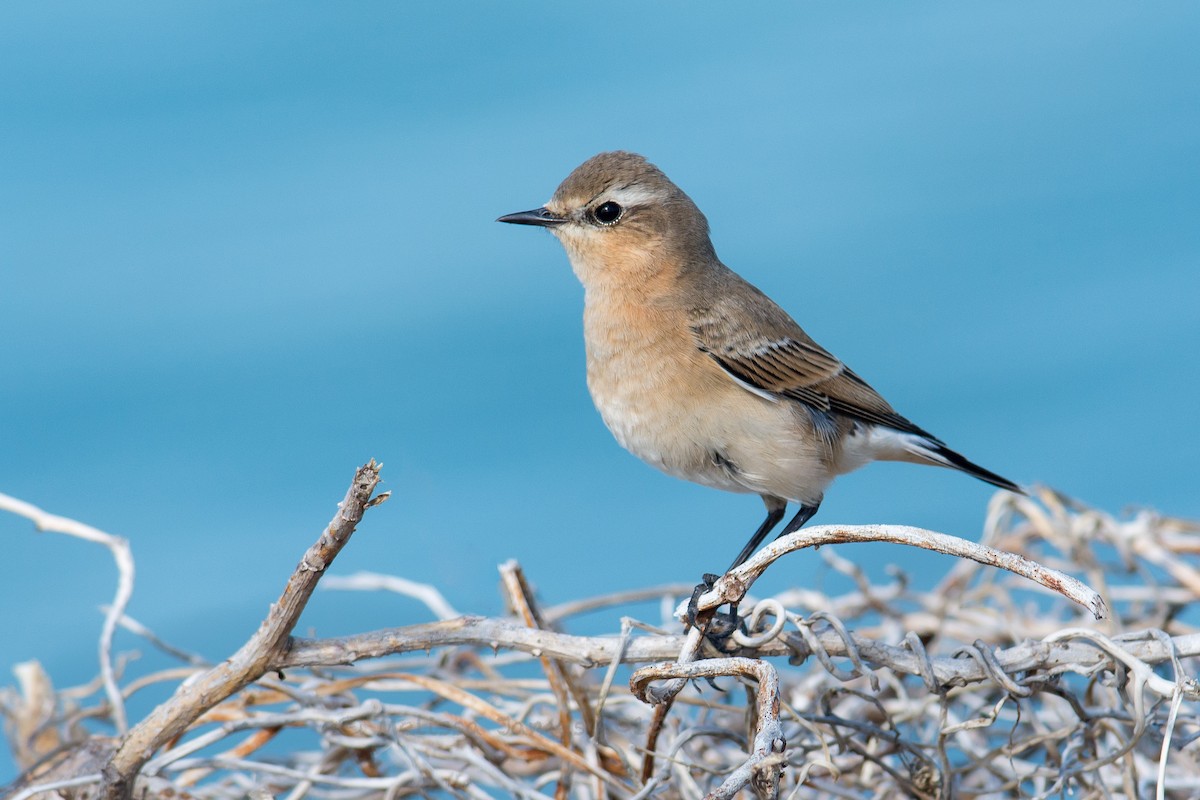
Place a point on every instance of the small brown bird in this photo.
(699, 373)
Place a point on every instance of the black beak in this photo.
(542, 217)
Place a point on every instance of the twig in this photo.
(267, 646)
(1013, 693)
(764, 765)
(475, 704)
(592, 651)
(557, 613)
(520, 597)
(137, 628)
(1140, 673)
(434, 600)
(67, 783)
(733, 585)
(122, 555)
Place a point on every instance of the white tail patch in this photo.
(867, 443)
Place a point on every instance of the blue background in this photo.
(245, 247)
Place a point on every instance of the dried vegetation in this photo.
(998, 682)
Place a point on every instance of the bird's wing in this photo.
(757, 344)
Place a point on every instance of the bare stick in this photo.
(733, 585)
(266, 647)
(119, 547)
(979, 720)
(45, 788)
(374, 581)
(593, 651)
(555, 614)
(469, 701)
(521, 599)
(765, 763)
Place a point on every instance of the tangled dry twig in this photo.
(978, 687)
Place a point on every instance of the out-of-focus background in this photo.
(244, 248)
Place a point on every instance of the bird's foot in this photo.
(717, 627)
(706, 585)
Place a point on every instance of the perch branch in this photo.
(733, 585)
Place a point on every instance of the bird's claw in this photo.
(706, 585)
(718, 627)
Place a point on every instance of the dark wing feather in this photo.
(778, 358)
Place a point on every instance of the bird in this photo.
(696, 371)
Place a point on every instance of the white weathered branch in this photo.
(597, 651)
(765, 762)
(434, 600)
(991, 710)
(733, 585)
(122, 555)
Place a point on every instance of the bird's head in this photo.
(619, 217)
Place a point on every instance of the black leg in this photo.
(775, 509)
(706, 583)
(802, 516)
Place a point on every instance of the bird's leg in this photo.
(774, 514)
(775, 509)
(802, 516)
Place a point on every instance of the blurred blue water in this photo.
(243, 248)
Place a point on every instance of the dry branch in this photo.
(733, 585)
(254, 659)
(599, 651)
(969, 689)
(762, 769)
(123, 557)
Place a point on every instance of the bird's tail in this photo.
(938, 453)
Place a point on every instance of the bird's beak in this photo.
(542, 217)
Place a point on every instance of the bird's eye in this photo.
(607, 213)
